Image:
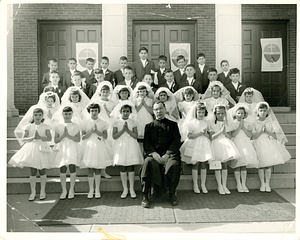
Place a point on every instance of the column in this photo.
(229, 35)
(114, 33)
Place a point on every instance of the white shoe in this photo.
(124, 194)
(204, 190)
(97, 195)
(63, 195)
(262, 188)
(196, 190)
(132, 194)
(221, 191)
(31, 197)
(226, 190)
(71, 195)
(90, 195)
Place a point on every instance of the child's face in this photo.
(125, 112)
(162, 63)
(54, 78)
(49, 102)
(181, 63)
(123, 95)
(212, 76)
(72, 65)
(52, 65)
(74, 98)
(225, 66)
(200, 114)
(94, 113)
(216, 92)
(67, 116)
(163, 96)
(143, 54)
(90, 65)
(104, 64)
(99, 77)
(201, 60)
(169, 77)
(235, 77)
(248, 98)
(123, 63)
(142, 93)
(240, 114)
(128, 74)
(190, 71)
(188, 97)
(220, 114)
(262, 112)
(148, 79)
(37, 117)
(76, 80)
(104, 93)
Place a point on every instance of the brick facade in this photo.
(204, 14)
(26, 43)
(279, 12)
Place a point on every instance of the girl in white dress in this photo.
(127, 151)
(223, 148)
(96, 150)
(35, 153)
(241, 138)
(166, 96)
(143, 105)
(67, 152)
(196, 148)
(121, 93)
(268, 141)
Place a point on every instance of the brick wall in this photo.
(204, 14)
(279, 12)
(26, 43)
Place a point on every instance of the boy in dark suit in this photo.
(170, 82)
(236, 88)
(179, 74)
(119, 74)
(190, 79)
(129, 78)
(143, 65)
(108, 74)
(202, 71)
(53, 65)
(67, 75)
(99, 76)
(162, 61)
(223, 77)
(53, 85)
(88, 77)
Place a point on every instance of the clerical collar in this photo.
(160, 120)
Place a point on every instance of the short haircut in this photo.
(76, 73)
(128, 68)
(126, 106)
(188, 91)
(105, 87)
(90, 60)
(48, 89)
(179, 57)
(72, 59)
(200, 55)
(224, 61)
(123, 58)
(98, 71)
(74, 92)
(147, 74)
(162, 57)
(67, 109)
(234, 71)
(142, 87)
(190, 65)
(160, 102)
(105, 58)
(212, 70)
(50, 96)
(93, 106)
(143, 48)
(168, 71)
(52, 60)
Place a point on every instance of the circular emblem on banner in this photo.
(84, 54)
(272, 53)
(179, 51)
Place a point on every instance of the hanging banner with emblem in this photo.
(179, 49)
(271, 60)
(84, 51)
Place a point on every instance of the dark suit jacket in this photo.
(173, 88)
(233, 92)
(118, 76)
(92, 90)
(140, 71)
(46, 80)
(109, 76)
(223, 79)
(132, 84)
(90, 79)
(196, 84)
(178, 77)
(160, 77)
(66, 79)
(202, 77)
(60, 90)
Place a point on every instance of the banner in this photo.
(271, 57)
(84, 51)
(179, 49)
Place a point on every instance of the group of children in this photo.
(97, 124)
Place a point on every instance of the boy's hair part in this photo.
(123, 58)
(162, 57)
(67, 109)
(168, 71)
(212, 70)
(52, 60)
(143, 48)
(147, 74)
(90, 60)
(224, 61)
(105, 58)
(142, 87)
(190, 65)
(72, 59)
(200, 55)
(234, 71)
(179, 57)
(128, 68)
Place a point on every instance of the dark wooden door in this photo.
(273, 85)
(156, 37)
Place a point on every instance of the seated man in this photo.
(162, 165)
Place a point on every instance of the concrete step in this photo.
(10, 132)
(12, 144)
(289, 117)
(288, 128)
(292, 150)
(288, 167)
(21, 185)
(291, 137)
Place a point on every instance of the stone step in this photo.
(289, 117)
(288, 128)
(292, 150)
(21, 185)
(291, 137)
(288, 167)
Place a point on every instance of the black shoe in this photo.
(173, 200)
(145, 202)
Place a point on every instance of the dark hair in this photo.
(93, 106)
(54, 72)
(218, 107)
(98, 71)
(189, 91)
(67, 109)
(89, 60)
(72, 59)
(52, 60)
(143, 48)
(239, 108)
(105, 87)
(50, 96)
(74, 92)
(190, 65)
(148, 74)
(249, 93)
(179, 57)
(224, 61)
(234, 71)
(128, 68)
(160, 102)
(48, 89)
(261, 106)
(142, 87)
(123, 58)
(162, 57)
(37, 110)
(168, 71)
(124, 89)
(76, 73)
(201, 107)
(200, 55)
(105, 58)
(126, 106)
(212, 70)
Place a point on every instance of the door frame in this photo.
(287, 23)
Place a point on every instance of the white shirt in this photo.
(144, 62)
(128, 82)
(162, 70)
(226, 73)
(235, 85)
(104, 70)
(190, 80)
(170, 84)
(89, 71)
(72, 71)
(181, 71)
(201, 67)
